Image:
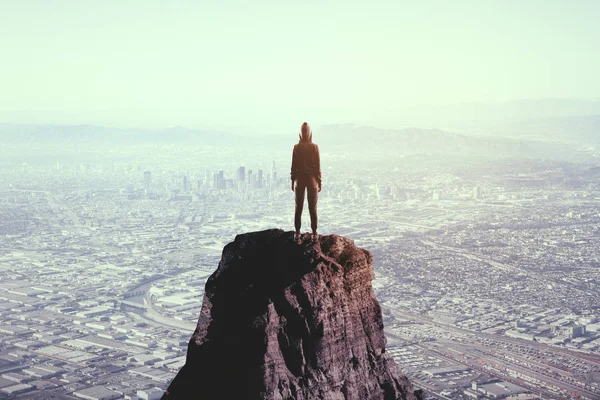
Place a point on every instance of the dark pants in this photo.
(310, 185)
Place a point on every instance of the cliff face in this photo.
(282, 320)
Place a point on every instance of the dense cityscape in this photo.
(458, 143)
(487, 270)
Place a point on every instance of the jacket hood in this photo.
(306, 134)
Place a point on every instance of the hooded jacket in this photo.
(306, 160)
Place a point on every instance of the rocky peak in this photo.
(282, 320)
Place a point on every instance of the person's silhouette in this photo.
(306, 177)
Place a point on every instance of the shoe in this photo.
(314, 237)
(297, 237)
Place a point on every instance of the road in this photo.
(152, 314)
(491, 358)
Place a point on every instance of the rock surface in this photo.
(282, 320)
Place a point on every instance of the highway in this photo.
(486, 356)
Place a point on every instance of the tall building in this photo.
(476, 192)
(250, 178)
(273, 176)
(147, 179)
(219, 180)
(259, 179)
(576, 331)
(241, 174)
(186, 183)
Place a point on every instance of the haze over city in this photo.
(460, 144)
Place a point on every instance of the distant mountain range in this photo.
(101, 134)
(574, 129)
(370, 140)
(528, 139)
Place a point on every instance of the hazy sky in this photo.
(266, 65)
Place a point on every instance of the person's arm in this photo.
(318, 162)
(293, 169)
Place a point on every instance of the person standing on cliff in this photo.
(306, 177)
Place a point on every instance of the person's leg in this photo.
(313, 195)
(299, 190)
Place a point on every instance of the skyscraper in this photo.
(273, 177)
(186, 183)
(259, 179)
(219, 180)
(241, 174)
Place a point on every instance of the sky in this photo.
(266, 66)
